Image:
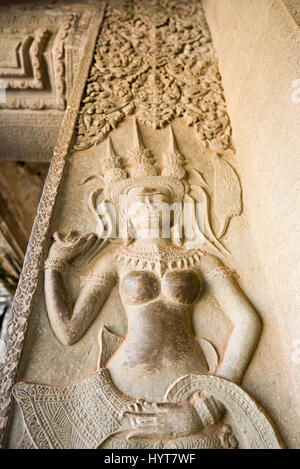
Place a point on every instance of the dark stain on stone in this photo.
(140, 287)
(182, 286)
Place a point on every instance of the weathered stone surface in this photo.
(20, 190)
(120, 327)
(41, 49)
(259, 65)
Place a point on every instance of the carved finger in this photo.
(72, 236)
(57, 236)
(132, 421)
(96, 243)
(93, 249)
(196, 395)
(146, 432)
(149, 421)
(138, 407)
(138, 414)
(130, 408)
(91, 241)
(166, 406)
(147, 406)
(91, 236)
(81, 242)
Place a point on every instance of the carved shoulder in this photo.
(210, 262)
(212, 268)
(105, 266)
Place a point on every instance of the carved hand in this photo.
(209, 409)
(66, 248)
(162, 420)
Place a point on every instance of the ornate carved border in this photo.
(57, 100)
(13, 342)
(257, 426)
(34, 51)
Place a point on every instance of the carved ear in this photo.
(92, 201)
(227, 199)
(103, 213)
(195, 178)
(198, 194)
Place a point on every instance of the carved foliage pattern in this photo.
(154, 59)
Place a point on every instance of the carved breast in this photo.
(181, 287)
(140, 287)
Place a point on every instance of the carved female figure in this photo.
(159, 284)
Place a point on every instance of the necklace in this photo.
(158, 259)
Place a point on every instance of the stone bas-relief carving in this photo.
(38, 61)
(153, 387)
(106, 418)
(41, 46)
(154, 59)
(26, 69)
(159, 384)
(13, 341)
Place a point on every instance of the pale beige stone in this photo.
(40, 52)
(258, 53)
(114, 324)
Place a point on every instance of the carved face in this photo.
(149, 212)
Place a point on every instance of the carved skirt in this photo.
(89, 415)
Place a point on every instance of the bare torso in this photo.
(160, 345)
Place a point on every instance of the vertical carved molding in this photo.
(154, 60)
(24, 297)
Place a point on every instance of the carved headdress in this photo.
(185, 185)
(142, 171)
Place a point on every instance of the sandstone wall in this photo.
(258, 44)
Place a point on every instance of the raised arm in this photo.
(68, 322)
(246, 323)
